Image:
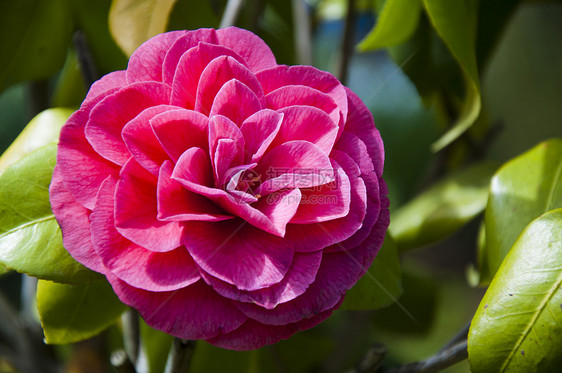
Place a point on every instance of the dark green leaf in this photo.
(521, 190)
(70, 313)
(456, 22)
(208, 358)
(34, 36)
(395, 24)
(69, 90)
(30, 238)
(42, 130)
(518, 325)
(133, 22)
(381, 285)
(442, 209)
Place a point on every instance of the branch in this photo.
(231, 12)
(88, 67)
(180, 356)
(348, 40)
(440, 361)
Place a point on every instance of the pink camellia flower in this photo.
(225, 197)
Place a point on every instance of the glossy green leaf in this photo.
(70, 313)
(156, 346)
(42, 130)
(442, 209)
(518, 325)
(456, 22)
(132, 22)
(396, 22)
(381, 285)
(30, 238)
(34, 35)
(521, 190)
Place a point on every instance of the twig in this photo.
(459, 337)
(131, 334)
(231, 13)
(88, 67)
(180, 356)
(372, 359)
(348, 40)
(303, 44)
(121, 362)
(440, 361)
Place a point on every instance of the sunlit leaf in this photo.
(42, 130)
(396, 22)
(34, 35)
(70, 313)
(518, 325)
(30, 238)
(456, 22)
(442, 209)
(381, 285)
(521, 190)
(132, 22)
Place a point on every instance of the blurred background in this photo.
(413, 89)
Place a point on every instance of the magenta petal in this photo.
(83, 169)
(259, 131)
(216, 74)
(133, 264)
(237, 253)
(136, 211)
(189, 69)
(106, 85)
(175, 203)
(194, 167)
(187, 41)
(355, 147)
(252, 334)
(179, 130)
(226, 145)
(309, 124)
(291, 95)
(142, 142)
(235, 101)
(145, 64)
(253, 49)
(301, 274)
(74, 223)
(360, 123)
(326, 202)
(110, 115)
(193, 312)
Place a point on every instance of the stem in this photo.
(348, 39)
(131, 334)
(443, 359)
(303, 44)
(231, 13)
(180, 356)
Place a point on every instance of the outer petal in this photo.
(253, 49)
(133, 264)
(106, 85)
(75, 225)
(136, 211)
(237, 253)
(145, 64)
(193, 312)
(301, 274)
(108, 117)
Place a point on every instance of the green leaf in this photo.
(208, 358)
(43, 129)
(156, 345)
(456, 22)
(132, 22)
(518, 325)
(70, 313)
(396, 23)
(381, 285)
(69, 90)
(30, 238)
(521, 190)
(3, 269)
(442, 209)
(34, 35)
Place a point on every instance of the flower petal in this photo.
(226, 146)
(253, 49)
(136, 211)
(110, 115)
(145, 64)
(106, 85)
(237, 253)
(259, 131)
(134, 264)
(235, 101)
